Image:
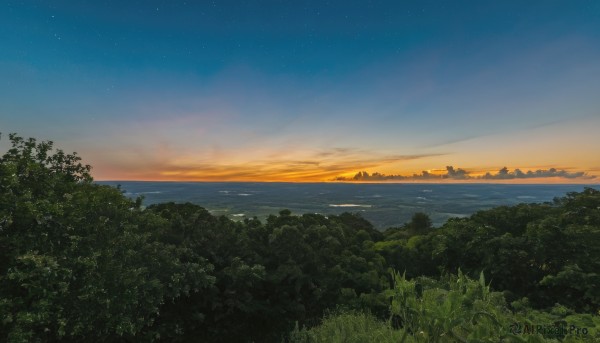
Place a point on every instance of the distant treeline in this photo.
(80, 262)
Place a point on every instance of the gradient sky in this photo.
(305, 90)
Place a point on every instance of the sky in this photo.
(405, 91)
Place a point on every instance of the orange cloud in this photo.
(311, 167)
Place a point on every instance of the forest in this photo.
(81, 262)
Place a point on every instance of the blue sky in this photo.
(304, 90)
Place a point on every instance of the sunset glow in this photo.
(173, 91)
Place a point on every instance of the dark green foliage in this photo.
(78, 260)
(528, 250)
(419, 224)
(270, 275)
(81, 262)
(453, 309)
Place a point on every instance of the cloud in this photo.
(334, 152)
(461, 174)
(280, 165)
(505, 174)
(465, 138)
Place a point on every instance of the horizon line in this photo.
(502, 182)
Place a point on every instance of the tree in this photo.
(419, 224)
(78, 261)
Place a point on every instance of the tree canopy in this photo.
(82, 262)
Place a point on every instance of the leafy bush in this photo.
(348, 327)
(456, 310)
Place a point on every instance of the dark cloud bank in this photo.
(461, 174)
